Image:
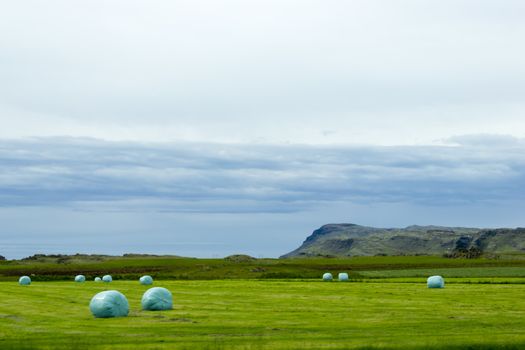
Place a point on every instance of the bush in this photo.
(239, 258)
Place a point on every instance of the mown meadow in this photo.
(386, 305)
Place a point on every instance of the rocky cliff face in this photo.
(356, 240)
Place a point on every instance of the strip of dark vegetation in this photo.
(132, 266)
(16, 345)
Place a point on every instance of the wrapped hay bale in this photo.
(327, 277)
(110, 303)
(98, 279)
(157, 298)
(435, 282)
(343, 277)
(24, 281)
(146, 280)
(80, 278)
(107, 278)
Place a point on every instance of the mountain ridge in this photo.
(347, 239)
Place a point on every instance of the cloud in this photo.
(486, 140)
(374, 72)
(91, 174)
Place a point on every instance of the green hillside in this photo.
(356, 240)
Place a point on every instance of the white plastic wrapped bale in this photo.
(24, 281)
(157, 298)
(327, 277)
(98, 279)
(435, 282)
(80, 278)
(107, 278)
(343, 277)
(146, 280)
(110, 303)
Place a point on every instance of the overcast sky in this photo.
(213, 127)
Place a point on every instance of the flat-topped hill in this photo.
(356, 240)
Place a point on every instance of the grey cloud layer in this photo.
(90, 174)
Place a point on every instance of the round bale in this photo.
(343, 277)
(157, 298)
(107, 278)
(435, 282)
(98, 279)
(80, 278)
(24, 281)
(146, 280)
(110, 303)
(327, 277)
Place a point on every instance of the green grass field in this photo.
(269, 314)
(269, 304)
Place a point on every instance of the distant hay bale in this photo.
(146, 280)
(157, 298)
(80, 278)
(343, 277)
(24, 281)
(98, 279)
(435, 282)
(110, 303)
(327, 277)
(107, 278)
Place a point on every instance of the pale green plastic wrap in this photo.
(435, 282)
(343, 277)
(157, 298)
(98, 279)
(110, 303)
(146, 280)
(107, 278)
(24, 281)
(80, 278)
(327, 277)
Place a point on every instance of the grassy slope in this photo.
(241, 314)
